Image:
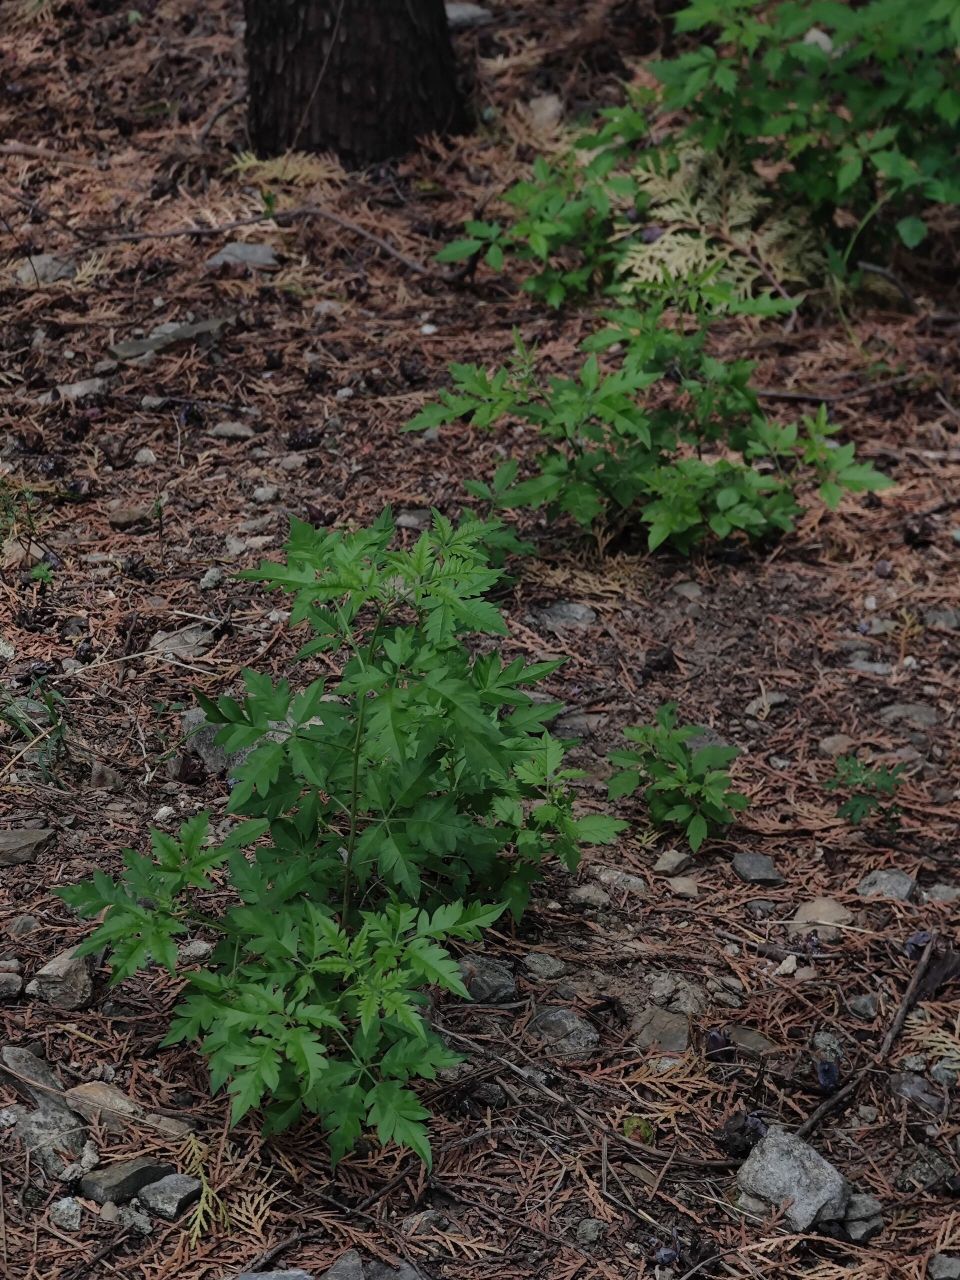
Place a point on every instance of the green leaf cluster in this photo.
(684, 784)
(867, 790)
(855, 106)
(380, 815)
(670, 437)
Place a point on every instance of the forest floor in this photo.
(144, 504)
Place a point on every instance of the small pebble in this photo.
(428, 330)
(212, 578)
(265, 493)
(145, 457)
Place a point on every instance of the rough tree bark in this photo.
(363, 78)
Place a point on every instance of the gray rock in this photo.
(828, 1046)
(52, 1134)
(104, 1103)
(259, 257)
(687, 590)
(265, 493)
(942, 893)
(683, 887)
(11, 966)
(943, 1073)
(578, 724)
(327, 309)
(567, 615)
(132, 1218)
(86, 389)
(868, 1114)
(422, 1223)
(887, 884)
(21, 926)
(123, 1179)
(194, 952)
(835, 744)
(418, 518)
(820, 916)
(145, 457)
(861, 1207)
(782, 1168)
(757, 868)
(925, 1172)
(65, 981)
(672, 862)
(212, 578)
(944, 1266)
(860, 1230)
(45, 268)
(32, 1077)
(868, 667)
(488, 981)
(22, 845)
(749, 1039)
(463, 17)
(11, 984)
(753, 1205)
(621, 881)
(676, 992)
(916, 715)
(170, 1196)
(66, 1213)
(564, 1031)
(543, 966)
(167, 335)
(945, 619)
(589, 895)
(865, 1006)
(590, 1230)
(662, 1028)
(347, 1267)
(760, 908)
(199, 740)
(232, 431)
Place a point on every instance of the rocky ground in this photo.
(743, 1063)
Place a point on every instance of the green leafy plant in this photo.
(853, 107)
(867, 790)
(701, 460)
(683, 784)
(375, 802)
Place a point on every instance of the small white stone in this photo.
(345, 393)
(265, 493)
(428, 330)
(164, 813)
(145, 457)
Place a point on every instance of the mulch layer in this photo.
(118, 137)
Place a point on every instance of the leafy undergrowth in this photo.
(186, 467)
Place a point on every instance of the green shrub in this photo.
(683, 785)
(377, 803)
(856, 106)
(867, 790)
(705, 463)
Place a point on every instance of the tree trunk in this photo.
(363, 78)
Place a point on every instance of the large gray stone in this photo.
(564, 1031)
(488, 981)
(259, 257)
(887, 884)
(52, 1134)
(31, 1076)
(915, 715)
(170, 1196)
(65, 981)
(123, 1179)
(566, 615)
(783, 1169)
(822, 916)
(66, 1213)
(45, 268)
(348, 1266)
(22, 845)
(661, 1028)
(757, 868)
(676, 992)
(199, 740)
(944, 1266)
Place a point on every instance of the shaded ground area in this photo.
(644, 1021)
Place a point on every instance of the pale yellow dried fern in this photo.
(713, 218)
